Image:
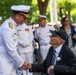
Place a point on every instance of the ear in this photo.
(17, 16)
(59, 40)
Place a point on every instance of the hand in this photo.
(26, 66)
(50, 69)
(29, 66)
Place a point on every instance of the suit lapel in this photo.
(50, 53)
(60, 54)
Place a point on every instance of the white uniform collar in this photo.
(14, 23)
(44, 27)
(24, 24)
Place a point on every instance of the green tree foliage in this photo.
(5, 5)
(65, 7)
(37, 7)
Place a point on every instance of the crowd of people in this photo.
(55, 47)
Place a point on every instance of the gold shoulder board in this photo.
(10, 25)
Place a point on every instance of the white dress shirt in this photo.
(58, 49)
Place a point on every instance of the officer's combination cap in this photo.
(41, 17)
(22, 9)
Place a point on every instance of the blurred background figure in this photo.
(70, 30)
(42, 34)
(36, 50)
(25, 48)
(1, 20)
(75, 28)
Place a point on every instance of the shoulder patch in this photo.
(27, 30)
(11, 25)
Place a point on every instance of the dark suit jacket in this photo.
(65, 66)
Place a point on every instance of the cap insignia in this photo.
(57, 28)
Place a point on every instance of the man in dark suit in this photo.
(64, 62)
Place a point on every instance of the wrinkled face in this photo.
(20, 19)
(42, 23)
(54, 40)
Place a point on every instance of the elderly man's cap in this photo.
(61, 33)
(22, 9)
(41, 17)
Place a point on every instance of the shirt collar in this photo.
(43, 27)
(58, 49)
(14, 23)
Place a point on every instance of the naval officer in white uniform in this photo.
(42, 34)
(25, 48)
(9, 57)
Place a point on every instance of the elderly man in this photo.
(60, 59)
(9, 57)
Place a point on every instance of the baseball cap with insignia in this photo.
(21, 9)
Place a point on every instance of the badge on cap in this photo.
(27, 30)
(57, 28)
(10, 25)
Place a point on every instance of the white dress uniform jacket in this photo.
(25, 48)
(25, 39)
(9, 57)
(42, 35)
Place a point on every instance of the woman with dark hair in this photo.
(71, 39)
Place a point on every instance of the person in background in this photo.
(36, 50)
(25, 41)
(9, 57)
(60, 59)
(75, 28)
(71, 39)
(42, 34)
(1, 21)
